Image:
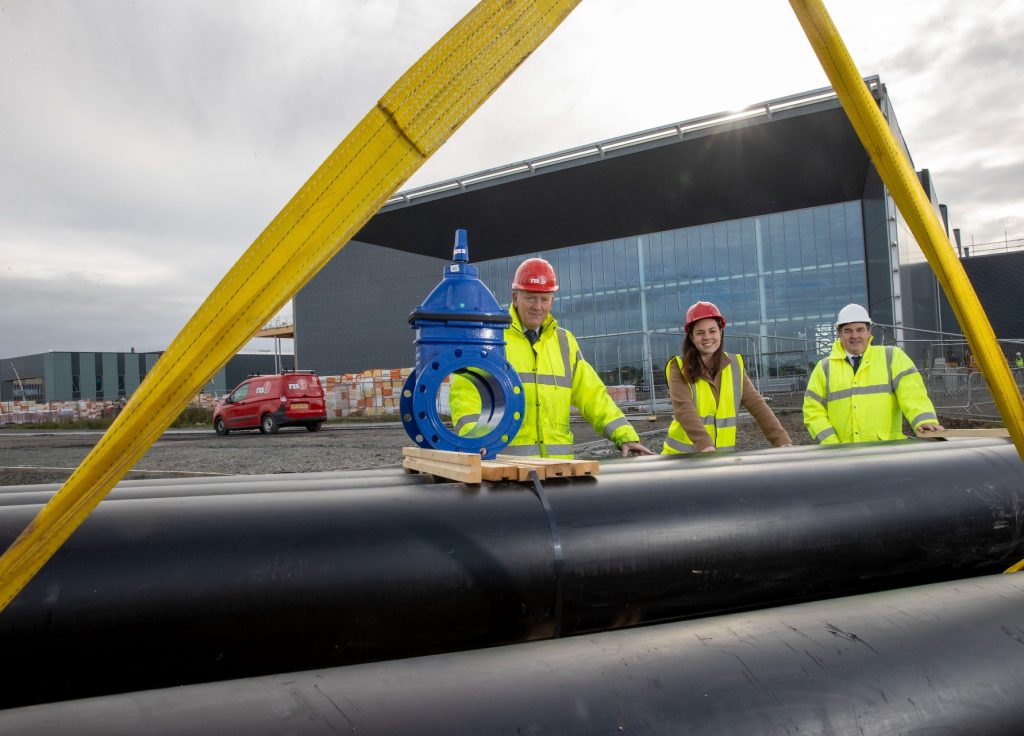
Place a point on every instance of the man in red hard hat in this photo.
(554, 374)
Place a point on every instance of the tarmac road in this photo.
(50, 456)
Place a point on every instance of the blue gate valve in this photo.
(460, 333)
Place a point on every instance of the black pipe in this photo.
(178, 590)
(39, 494)
(945, 658)
(367, 473)
(30, 495)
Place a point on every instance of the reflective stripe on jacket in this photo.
(555, 377)
(840, 406)
(719, 417)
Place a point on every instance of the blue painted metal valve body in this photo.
(460, 330)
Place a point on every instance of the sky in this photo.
(145, 145)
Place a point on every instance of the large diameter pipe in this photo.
(249, 480)
(39, 494)
(901, 179)
(34, 496)
(945, 658)
(179, 590)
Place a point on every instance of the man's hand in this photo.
(930, 427)
(634, 448)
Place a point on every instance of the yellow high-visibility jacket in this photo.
(555, 376)
(842, 407)
(719, 417)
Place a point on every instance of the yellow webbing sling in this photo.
(411, 121)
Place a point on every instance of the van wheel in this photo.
(269, 424)
(220, 428)
(314, 426)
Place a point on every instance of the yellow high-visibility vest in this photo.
(843, 406)
(718, 417)
(555, 378)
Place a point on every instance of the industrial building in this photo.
(74, 376)
(775, 213)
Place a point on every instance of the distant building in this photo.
(70, 376)
(997, 279)
(775, 213)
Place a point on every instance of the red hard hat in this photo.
(535, 274)
(702, 310)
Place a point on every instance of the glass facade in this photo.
(779, 279)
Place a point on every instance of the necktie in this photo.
(532, 336)
(855, 360)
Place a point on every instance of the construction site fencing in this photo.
(779, 368)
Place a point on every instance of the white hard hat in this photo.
(852, 313)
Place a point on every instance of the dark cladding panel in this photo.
(996, 279)
(243, 365)
(15, 373)
(876, 251)
(353, 315)
(792, 161)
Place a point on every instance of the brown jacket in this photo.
(685, 410)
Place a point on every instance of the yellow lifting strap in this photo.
(410, 122)
(902, 182)
(898, 175)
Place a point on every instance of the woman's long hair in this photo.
(693, 367)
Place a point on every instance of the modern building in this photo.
(997, 279)
(775, 213)
(72, 376)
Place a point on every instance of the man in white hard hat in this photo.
(860, 392)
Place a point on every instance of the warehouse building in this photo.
(75, 376)
(775, 213)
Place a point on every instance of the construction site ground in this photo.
(49, 456)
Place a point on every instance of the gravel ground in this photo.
(50, 456)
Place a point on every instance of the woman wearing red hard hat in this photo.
(708, 386)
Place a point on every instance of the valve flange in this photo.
(460, 331)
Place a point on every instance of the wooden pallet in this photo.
(469, 468)
(941, 434)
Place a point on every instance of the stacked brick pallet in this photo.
(372, 393)
(31, 412)
(622, 394)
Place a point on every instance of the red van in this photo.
(268, 403)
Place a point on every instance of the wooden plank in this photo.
(544, 467)
(496, 471)
(981, 432)
(550, 467)
(458, 458)
(586, 467)
(458, 466)
(469, 468)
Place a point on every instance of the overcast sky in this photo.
(145, 145)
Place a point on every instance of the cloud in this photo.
(960, 113)
(144, 146)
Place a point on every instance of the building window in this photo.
(776, 277)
